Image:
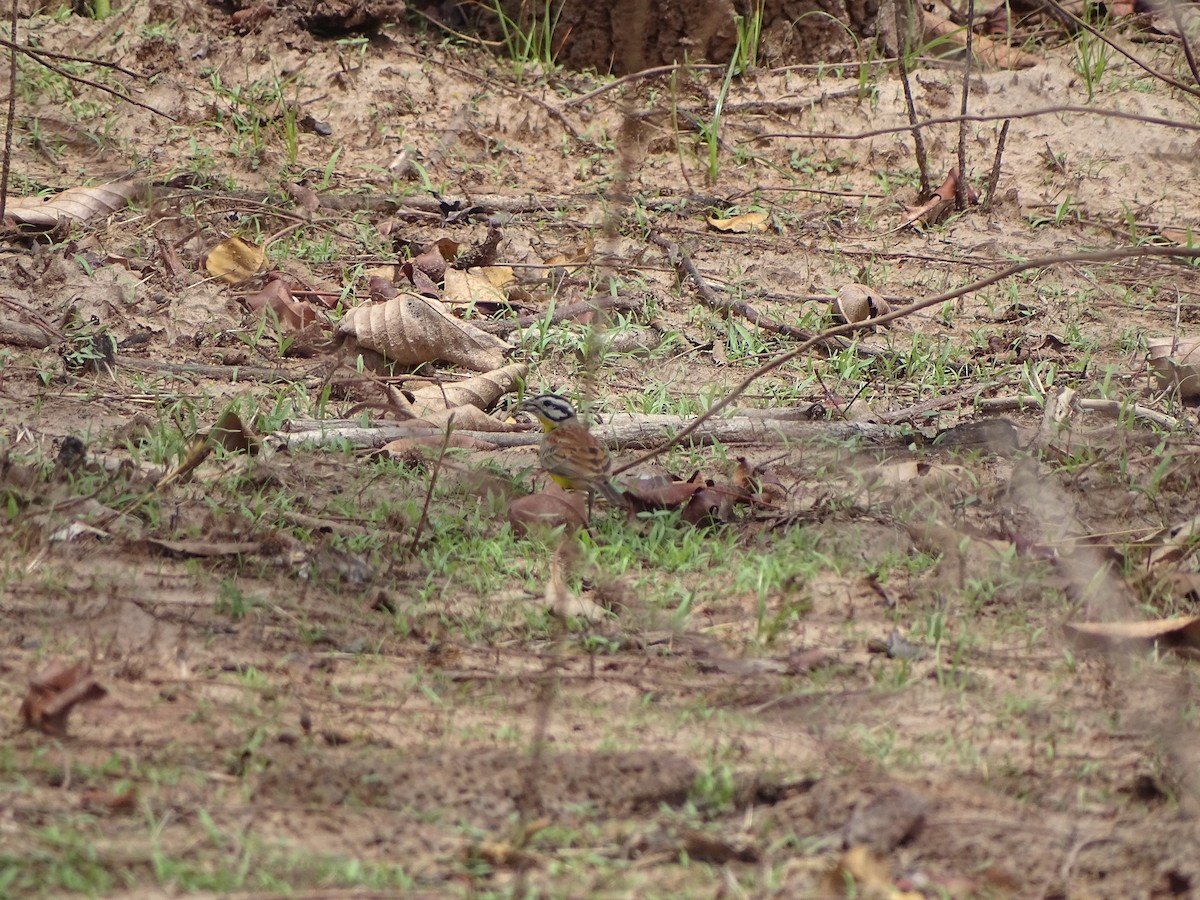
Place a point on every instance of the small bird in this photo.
(570, 453)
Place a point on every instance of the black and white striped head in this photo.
(551, 410)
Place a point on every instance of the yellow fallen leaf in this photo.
(234, 260)
(743, 224)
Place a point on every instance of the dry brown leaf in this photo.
(746, 223)
(54, 692)
(935, 208)
(1177, 541)
(549, 508)
(433, 258)
(481, 391)
(77, 204)
(234, 260)
(1181, 631)
(277, 297)
(1176, 364)
(412, 330)
(857, 303)
(1188, 236)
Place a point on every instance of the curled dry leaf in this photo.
(481, 391)
(992, 54)
(234, 260)
(1176, 364)
(935, 208)
(412, 330)
(746, 223)
(77, 204)
(277, 297)
(54, 692)
(549, 508)
(433, 258)
(857, 303)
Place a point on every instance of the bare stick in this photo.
(684, 266)
(633, 76)
(902, 65)
(1068, 16)
(1187, 44)
(433, 477)
(994, 178)
(6, 164)
(963, 182)
(1100, 256)
(992, 117)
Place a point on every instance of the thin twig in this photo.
(69, 57)
(6, 164)
(42, 58)
(433, 477)
(1067, 15)
(684, 266)
(1101, 256)
(1187, 44)
(634, 76)
(963, 182)
(994, 178)
(990, 117)
(902, 67)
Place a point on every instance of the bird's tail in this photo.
(612, 493)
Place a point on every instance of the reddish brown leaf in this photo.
(549, 508)
(276, 296)
(54, 692)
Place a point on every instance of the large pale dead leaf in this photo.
(78, 204)
(1176, 364)
(234, 260)
(412, 330)
(483, 285)
(481, 391)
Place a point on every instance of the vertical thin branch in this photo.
(960, 187)
(902, 65)
(6, 162)
(1181, 27)
(994, 179)
(433, 477)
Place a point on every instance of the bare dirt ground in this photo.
(858, 685)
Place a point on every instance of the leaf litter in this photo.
(818, 725)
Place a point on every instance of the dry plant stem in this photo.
(684, 266)
(68, 57)
(42, 59)
(994, 178)
(1067, 15)
(634, 76)
(433, 477)
(1100, 256)
(960, 186)
(1113, 408)
(991, 117)
(1187, 44)
(6, 163)
(918, 138)
(232, 373)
